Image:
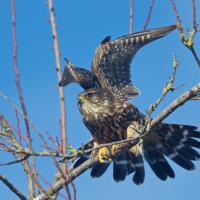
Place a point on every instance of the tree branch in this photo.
(6, 131)
(131, 17)
(188, 41)
(193, 92)
(59, 75)
(12, 187)
(19, 90)
(149, 14)
(74, 174)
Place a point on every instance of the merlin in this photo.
(108, 118)
(109, 115)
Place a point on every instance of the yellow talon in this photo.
(113, 150)
(103, 154)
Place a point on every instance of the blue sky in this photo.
(81, 27)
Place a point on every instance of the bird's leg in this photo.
(103, 153)
(113, 150)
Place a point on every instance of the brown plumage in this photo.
(107, 113)
(108, 117)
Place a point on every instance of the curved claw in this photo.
(113, 150)
(103, 155)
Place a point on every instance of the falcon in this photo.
(108, 114)
(109, 119)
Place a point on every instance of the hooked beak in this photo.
(81, 99)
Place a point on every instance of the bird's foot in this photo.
(104, 155)
(113, 149)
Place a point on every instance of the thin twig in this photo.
(195, 55)
(193, 92)
(149, 14)
(15, 161)
(74, 174)
(19, 90)
(7, 131)
(18, 127)
(4, 126)
(60, 169)
(180, 27)
(187, 41)
(12, 188)
(61, 91)
(131, 17)
(194, 15)
(59, 74)
(47, 183)
(169, 86)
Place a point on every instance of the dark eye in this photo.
(90, 94)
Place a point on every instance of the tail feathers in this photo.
(80, 161)
(139, 175)
(157, 162)
(121, 165)
(99, 169)
(178, 158)
(85, 157)
(189, 153)
(192, 142)
(127, 162)
(177, 142)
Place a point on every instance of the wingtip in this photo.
(106, 39)
(60, 84)
(171, 27)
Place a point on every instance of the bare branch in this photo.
(131, 17)
(47, 183)
(18, 127)
(61, 91)
(12, 187)
(195, 55)
(194, 15)
(15, 161)
(74, 174)
(59, 74)
(149, 14)
(193, 92)
(187, 41)
(7, 131)
(169, 86)
(177, 16)
(19, 90)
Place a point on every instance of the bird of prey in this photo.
(108, 114)
(109, 119)
(111, 64)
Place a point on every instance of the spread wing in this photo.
(111, 63)
(72, 74)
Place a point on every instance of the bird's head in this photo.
(96, 100)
